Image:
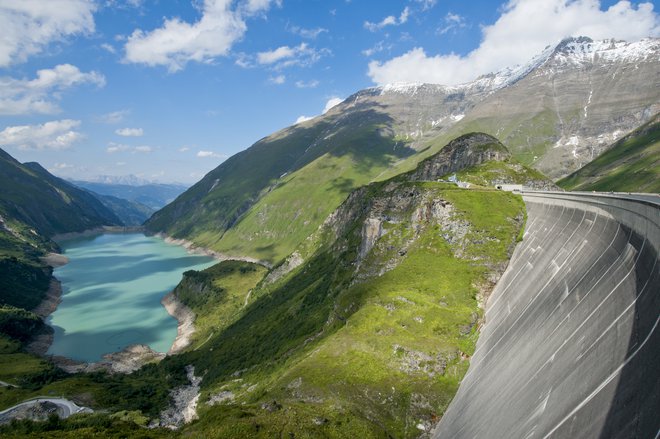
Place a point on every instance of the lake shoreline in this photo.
(133, 356)
(185, 318)
(195, 249)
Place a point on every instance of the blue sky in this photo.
(167, 89)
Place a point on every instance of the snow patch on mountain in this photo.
(568, 53)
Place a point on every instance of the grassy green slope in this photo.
(46, 203)
(272, 195)
(354, 339)
(631, 165)
(295, 207)
(360, 339)
(343, 350)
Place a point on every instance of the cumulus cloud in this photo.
(54, 135)
(286, 56)
(302, 119)
(40, 95)
(206, 154)
(129, 132)
(332, 102)
(390, 20)
(28, 26)
(523, 30)
(178, 42)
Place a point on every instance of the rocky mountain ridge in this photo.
(553, 115)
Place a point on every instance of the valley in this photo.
(420, 260)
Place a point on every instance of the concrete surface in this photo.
(571, 347)
(65, 408)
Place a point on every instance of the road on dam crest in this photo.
(571, 346)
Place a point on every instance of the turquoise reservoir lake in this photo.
(112, 287)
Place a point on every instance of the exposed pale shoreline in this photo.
(192, 248)
(186, 322)
(132, 357)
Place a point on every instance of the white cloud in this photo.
(123, 4)
(40, 95)
(113, 117)
(285, 56)
(390, 20)
(426, 4)
(279, 79)
(452, 22)
(108, 47)
(205, 154)
(183, 149)
(116, 147)
(120, 147)
(523, 30)
(307, 84)
(377, 48)
(60, 166)
(257, 6)
(129, 132)
(332, 102)
(178, 42)
(273, 56)
(310, 34)
(304, 119)
(28, 26)
(55, 135)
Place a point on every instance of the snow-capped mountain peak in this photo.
(568, 53)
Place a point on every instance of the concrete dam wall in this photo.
(571, 346)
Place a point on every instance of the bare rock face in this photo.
(581, 96)
(184, 403)
(464, 152)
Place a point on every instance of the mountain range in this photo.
(358, 295)
(557, 113)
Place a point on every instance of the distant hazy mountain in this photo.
(152, 195)
(556, 114)
(631, 165)
(131, 213)
(130, 180)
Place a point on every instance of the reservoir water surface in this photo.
(112, 287)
